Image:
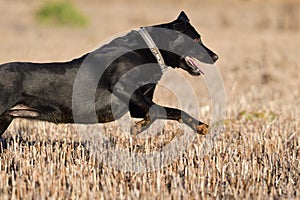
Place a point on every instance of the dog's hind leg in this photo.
(5, 120)
(4, 123)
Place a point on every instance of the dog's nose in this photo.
(214, 57)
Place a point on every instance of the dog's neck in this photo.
(152, 46)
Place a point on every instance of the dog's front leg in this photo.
(153, 111)
(160, 112)
(139, 104)
(183, 117)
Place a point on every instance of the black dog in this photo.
(45, 91)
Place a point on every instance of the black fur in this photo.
(43, 91)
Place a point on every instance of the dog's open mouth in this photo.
(194, 64)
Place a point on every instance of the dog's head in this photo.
(184, 38)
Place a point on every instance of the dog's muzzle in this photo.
(214, 57)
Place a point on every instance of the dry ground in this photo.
(257, 155)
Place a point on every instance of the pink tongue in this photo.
(194, 62)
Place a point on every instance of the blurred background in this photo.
(257, 41)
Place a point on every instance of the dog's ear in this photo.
(181, 26)
(183, 17)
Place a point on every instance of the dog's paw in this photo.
(202, 129)
(135, 129)
(140, 126)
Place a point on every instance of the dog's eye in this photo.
(198, 40)
(181, 26)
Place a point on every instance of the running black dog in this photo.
(55, 92)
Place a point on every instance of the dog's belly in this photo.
(103, 115)
(104, 110)
(40, 113)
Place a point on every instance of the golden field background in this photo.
(257, 156)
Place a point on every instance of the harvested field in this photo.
(256, 155)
